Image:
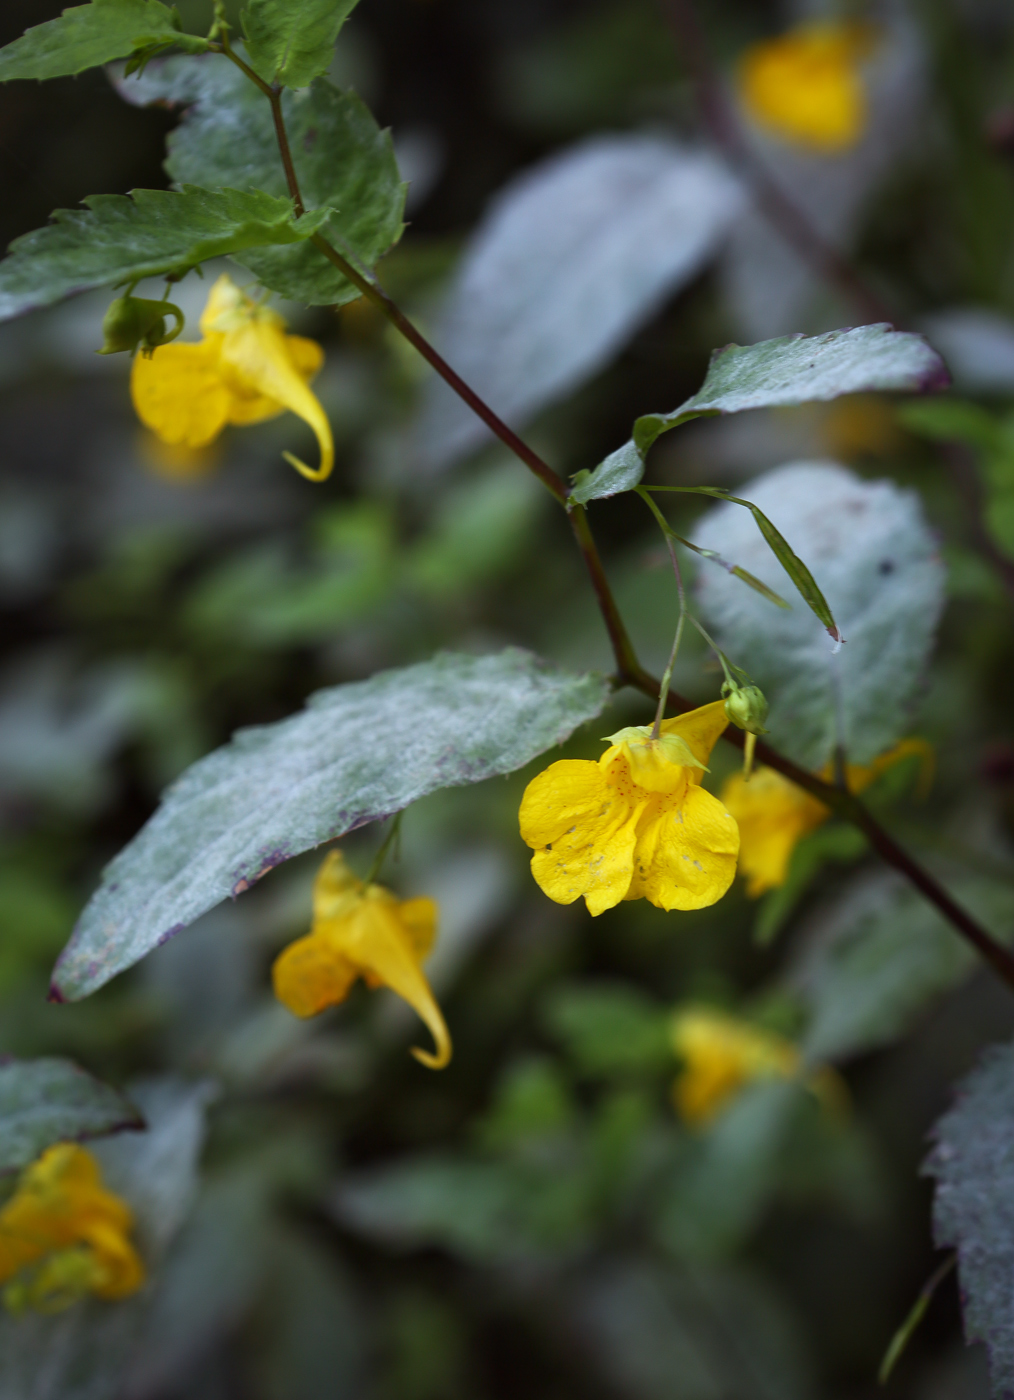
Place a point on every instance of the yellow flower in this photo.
(63, 1235)
(363, 931)
(636, 824)
(806, 85)
(722, 1054)
(245, 370)
(774, 814)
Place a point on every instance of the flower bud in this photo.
(133, 321)
(747, 708)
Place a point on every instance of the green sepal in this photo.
(135, 321)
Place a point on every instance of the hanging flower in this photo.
(637, 824)
(63, 1235)
(774, 814)
(721, 1055)
(362, 930)
(245, 370)
(807, 85)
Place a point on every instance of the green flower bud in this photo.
(747, 707)
(133, 321)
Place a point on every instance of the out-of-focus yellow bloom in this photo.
(174, 461)
(63, 1235)
(722, 1054)
(774, 814)
(637, 824)
(245, 370)
(807, 85)
(362, 930)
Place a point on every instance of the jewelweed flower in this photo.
(362, 930)
(637, 824)
(774, 814)
(244, 370)
(721, 1055)
(63, 1235)
(807, 85)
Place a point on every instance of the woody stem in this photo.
(629, 670)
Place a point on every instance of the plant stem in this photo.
(781, 211)
(629, 670)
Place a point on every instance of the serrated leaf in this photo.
(89, 35)
(344, 163)
(50, 1100)
(883, 957)
(572, 256)
(119, 239)
(973, 1206)
(792, 369)
(876, 562)
(291, 42)
(357, 753)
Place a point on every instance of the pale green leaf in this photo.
(973, 1206)
(343, 161)
(793, 369)
(89, 35)
(291, 42)
(883, 957)
(47, 1101)
(357, 753)
(117, 240)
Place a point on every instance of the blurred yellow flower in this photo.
(774, 814)
(63, 1235)
(362, 930)
(245, 370)
(721, 1055)
(807, 85)
(637, 824)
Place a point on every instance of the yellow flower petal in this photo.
(256, 360)
(807, 86)
(419, 919)
(686, 852)
(70, 1234)
(722, 1054)
(178, 393)
(700, 730)
(773, 815)
(335, 890)
(308, 976)
(375, 941)
(581, 821)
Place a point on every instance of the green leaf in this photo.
(878, 566)
(950, 419)
(47, 1101)
(883, 957)
(343, 161)
(356, 754)
(117, 239)
(973, 1166)
(610, 1029)
(89, 35)
(291, 42)
(793, 369)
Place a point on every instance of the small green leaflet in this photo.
(343, 160)
(356, 754)
(779, 545)
(89, 35)
(119, 239)
(793, 369)
(291, 42)
(973, 1166)
(47, 1101)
